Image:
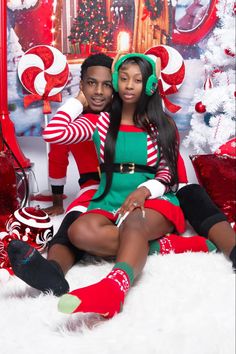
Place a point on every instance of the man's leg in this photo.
(207, 219)
(46, 274)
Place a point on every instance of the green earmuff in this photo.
(152, 81)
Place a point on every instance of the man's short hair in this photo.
(99, 59)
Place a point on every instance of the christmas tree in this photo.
(91, 26)
(14, 52)
(213, 106)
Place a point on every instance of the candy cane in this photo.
(172, 72)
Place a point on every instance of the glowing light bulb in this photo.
(123, 41)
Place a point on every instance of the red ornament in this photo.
(32, 225)
(5, 238)
(228, 149)
(229, 53)
(200, 107)
(216, 71)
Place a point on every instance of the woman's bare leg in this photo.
(107, 296)
(135, 233)
(95, 234)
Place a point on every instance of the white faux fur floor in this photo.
(182, 304)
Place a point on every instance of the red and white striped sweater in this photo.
(63, 129)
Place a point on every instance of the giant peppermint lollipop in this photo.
(172, 72)
(44, 72)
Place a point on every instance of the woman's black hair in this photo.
(148, 113)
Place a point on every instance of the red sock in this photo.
(105, 297)
(179, 244)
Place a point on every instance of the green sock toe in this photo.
(211, 246)
(68, 303)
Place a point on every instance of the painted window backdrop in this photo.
(81, 27)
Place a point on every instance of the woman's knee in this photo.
(133, 225)
(83, 234)
(77, 231)
(153, 224)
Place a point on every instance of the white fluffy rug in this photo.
(181, 304)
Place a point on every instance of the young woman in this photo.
(138, 150)
(68, 125)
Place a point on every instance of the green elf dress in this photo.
(133, 147)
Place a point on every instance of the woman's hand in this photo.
(135, 200)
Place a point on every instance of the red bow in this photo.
(146, 13)
(46, 105)
(171, 90)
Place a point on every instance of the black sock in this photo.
(30, 266)
(232, 257)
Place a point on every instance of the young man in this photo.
(95, 96)
(58, 157)
(207, 220)
(49, 274)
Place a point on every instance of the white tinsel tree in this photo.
(217, 124)
(14, 50)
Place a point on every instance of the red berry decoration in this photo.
(32, 225)
(200, 107)
(229, 53)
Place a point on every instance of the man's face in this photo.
(97, 88)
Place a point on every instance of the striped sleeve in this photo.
(163, 173)
(157, 186)
(62, 129)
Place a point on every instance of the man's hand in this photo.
(82, 99)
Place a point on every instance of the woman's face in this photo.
(130, 83)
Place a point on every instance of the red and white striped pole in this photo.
(7, 126)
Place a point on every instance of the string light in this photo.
(53, 18)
